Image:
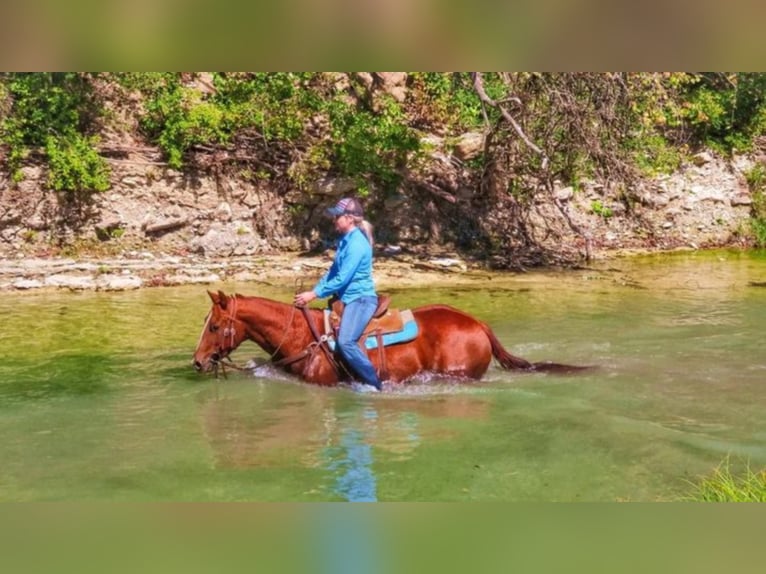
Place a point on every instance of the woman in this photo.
(350, 278)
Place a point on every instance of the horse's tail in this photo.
(509, 361)
(506, 359)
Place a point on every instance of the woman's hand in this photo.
(304, 298)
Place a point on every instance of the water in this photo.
(98, 400)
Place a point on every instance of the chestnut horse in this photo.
(449, 342)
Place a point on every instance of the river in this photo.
(98, 400)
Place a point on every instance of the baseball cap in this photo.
(347, 205)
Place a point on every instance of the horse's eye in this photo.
(213, 328)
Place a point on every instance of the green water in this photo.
(98, 400)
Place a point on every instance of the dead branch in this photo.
(435, 189)
(478, 84)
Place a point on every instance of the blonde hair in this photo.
(366, 228)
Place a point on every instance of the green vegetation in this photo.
(372, 144)
(725, 109)
(756, 180)
(449, 101)
(585, 122)
(599, 209)
(279, 111)
(294, 129)
(75, 165)
(725, 486)
(51, 113)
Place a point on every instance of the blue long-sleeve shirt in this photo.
(350, 275)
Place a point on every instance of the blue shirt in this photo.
(350, 275)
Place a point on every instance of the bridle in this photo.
(230, 331)
(222, 353)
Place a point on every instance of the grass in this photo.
(725, 486)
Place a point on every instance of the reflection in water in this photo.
(274, 425)
(352, 461)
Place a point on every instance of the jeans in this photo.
(356, 315)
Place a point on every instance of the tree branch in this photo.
(478, 84)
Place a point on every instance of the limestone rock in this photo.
(111, 282)
(469, 145)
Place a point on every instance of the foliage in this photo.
(654, 155)
(295, 128)
(447, 101)
(75, 165)
(580, 121)
(756, 180)
(279, 109)
(51, 111)
(600, 209)
(276, 104)
(758, 226)
(368, 144)
(176, 117)
(43, 104)
(726, 110)
(726, 486)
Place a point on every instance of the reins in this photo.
(231, 364)
(229, 331)
(319, 341)
(284, 337)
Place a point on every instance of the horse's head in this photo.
(223, 332)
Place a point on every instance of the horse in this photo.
(449, 342)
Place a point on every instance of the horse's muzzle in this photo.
(208, 365)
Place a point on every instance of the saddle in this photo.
(387, 326)
(384, 320)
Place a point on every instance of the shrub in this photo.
(75, 165)
(50, 111)
(756, 180)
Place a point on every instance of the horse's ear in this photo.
(219, 298)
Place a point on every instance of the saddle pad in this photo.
(408, 332)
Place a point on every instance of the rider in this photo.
(350, 278)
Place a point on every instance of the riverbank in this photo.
(154, 229)
(144, 269)
(393, 269)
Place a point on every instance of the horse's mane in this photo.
(245, 298)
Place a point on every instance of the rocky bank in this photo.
(145, 269)
(157, 227)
